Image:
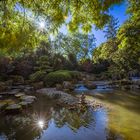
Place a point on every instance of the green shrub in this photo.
(75, 74)
(59, 76)
(37, 76)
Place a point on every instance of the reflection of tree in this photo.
(74, 119)
(113, 136)
(24, 126)
(19, 128)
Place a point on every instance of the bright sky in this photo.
(118, 11)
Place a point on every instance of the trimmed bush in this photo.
(37, 76)
(75, 74)
(59, 76)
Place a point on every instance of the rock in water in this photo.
(18, 95)
(13, 107)
(13, 92)
(2, 105)
(28, 99)
(90, 85)
(62, 97)
(68, 85)
(24, 103)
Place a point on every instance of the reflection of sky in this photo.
(96, 130)
(101, 88)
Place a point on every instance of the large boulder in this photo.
(90, 85)
(68, 85)
(50, 92)
(62, 97)
(38, 85)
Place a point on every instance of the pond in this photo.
(46, 121)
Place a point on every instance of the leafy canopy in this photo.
(84, 12)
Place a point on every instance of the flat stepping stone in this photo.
(24, 103)
(7, 101)
(19, 95)
(21, 87)
(3, 93)
(3, 105)
(13, 107)
(13, 92)
(29, 99)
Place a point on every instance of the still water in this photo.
(46, 121)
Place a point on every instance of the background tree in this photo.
(111, 28)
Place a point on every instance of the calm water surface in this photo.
(46, 121)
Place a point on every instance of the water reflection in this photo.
(41, 124)
(46, 121)
(80, 88)
(69, 122)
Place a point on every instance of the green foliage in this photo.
(13, 37)
(18, 30)
(37, 76)
(74, 74)
(105, 51)
(127, 57)
(59, 76)
(123, 52)
(111, 28)
(57, 11)
(79, 44)
(19, 35)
